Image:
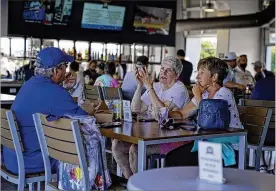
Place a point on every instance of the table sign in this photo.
(127, 129)
(210, 162)
(127, 111)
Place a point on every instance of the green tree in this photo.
(207, 49)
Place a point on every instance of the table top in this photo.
(185, 178)
(133, 132)
(7, 97)
(11, 83)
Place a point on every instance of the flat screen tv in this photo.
(62, 12)
(34, 11)
(102, 17)
(152, 20)
(48, 12)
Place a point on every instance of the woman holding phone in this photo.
(167, 92)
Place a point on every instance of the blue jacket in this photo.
(228, 153)
(38, 95)
(264, 89)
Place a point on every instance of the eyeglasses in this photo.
(167, 70)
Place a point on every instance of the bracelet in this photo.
(195, 102)
(149, 90)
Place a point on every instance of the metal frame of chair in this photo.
(64, 127)
(12, 140)
(257, 141)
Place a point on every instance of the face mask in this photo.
(243, 66)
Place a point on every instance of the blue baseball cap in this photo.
(51, 57)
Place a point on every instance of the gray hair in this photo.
(47, 72)
(44, 72)
(175, 62)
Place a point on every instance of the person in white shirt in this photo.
(168, 91)
(230, 82)
(119, 70)
(75, 82)
(243, 76)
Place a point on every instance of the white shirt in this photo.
(243, 77)
(78, 89)
(178, 93)
(120, 72)
(226, 94)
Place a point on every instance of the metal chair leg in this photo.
(257, 160)
(38, 186)
(20, 186)
(31, 186)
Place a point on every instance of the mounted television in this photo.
(34, 11)
(152, 20)
(48, 12)
(102, 17)
(62, 12)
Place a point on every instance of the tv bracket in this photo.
(105, 6)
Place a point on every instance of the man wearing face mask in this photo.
(230, 81)
(243, 76)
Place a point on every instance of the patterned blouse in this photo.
(226, 94)
(222, 93)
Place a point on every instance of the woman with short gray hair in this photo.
(169, 92)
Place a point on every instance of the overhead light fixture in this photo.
(209, 7)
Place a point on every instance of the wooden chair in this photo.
(61, 140)
(264, 104)
(271, 127)
(10, 138)
(256, 121)
(112, 93)
(93, 93)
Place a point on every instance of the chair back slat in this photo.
(64, 157)
(255, 120)
(258, 103)
(264, 104)
(112, 93)
(60, 124)
(93, 93)
(3, 114)
(254, 111)
(68, 147)
(91, 97)
(6, 133)
(59, 134)
(7, 143)
(60, 140)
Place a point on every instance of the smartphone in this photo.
(146, 120)
(111, 125)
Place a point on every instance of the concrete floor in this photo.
(116, 181)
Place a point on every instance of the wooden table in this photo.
(145, 134)
(7, 99)
(186, 178)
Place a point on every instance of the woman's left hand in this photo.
(145, 78)
(197, 91)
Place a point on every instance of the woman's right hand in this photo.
(138, 79)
